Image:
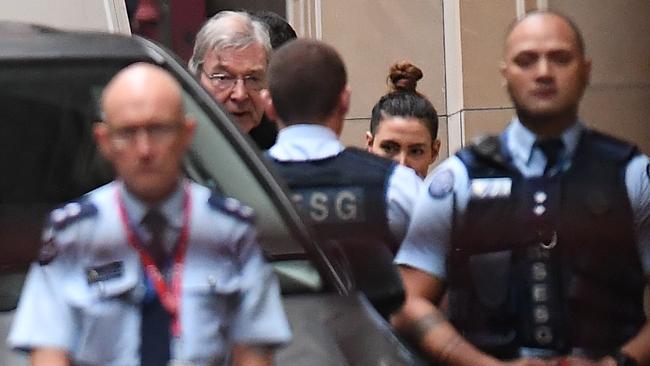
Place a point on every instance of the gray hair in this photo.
(228, 29)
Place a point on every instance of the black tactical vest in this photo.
(343, 196)
(552, 264)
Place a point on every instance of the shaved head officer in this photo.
(150, 269)
(541, 235)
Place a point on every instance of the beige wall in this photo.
(474, 34)
(387, 32)
(371, 35)
(96, 15)
(617, 36)
(458, 44)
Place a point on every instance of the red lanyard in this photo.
(169, 295)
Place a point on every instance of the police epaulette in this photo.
(486, 149)
(231, 206)
(71, 212)
(489, 147)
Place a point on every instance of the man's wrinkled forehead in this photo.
(237, 42)
(251, 58)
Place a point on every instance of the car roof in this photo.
(22, 41)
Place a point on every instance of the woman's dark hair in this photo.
(403, 100)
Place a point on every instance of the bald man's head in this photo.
(145, 132)
(139, 82)
(579, 40)
(545, 71)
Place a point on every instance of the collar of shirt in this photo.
(171, 207)
(305, 142)
(520, 142)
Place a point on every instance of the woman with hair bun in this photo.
(404, 123)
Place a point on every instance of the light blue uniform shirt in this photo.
(428, 238)
(304, 142)
(229, 294)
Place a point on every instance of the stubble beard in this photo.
(543, 123)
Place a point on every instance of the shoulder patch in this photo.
(442, 183)
(71, 212)
(231, 206)
(488, 147)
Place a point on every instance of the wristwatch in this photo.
(622, 359)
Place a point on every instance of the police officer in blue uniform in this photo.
(151, 269)
(343, 192)
(540, 235)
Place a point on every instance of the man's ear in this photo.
(269, 108)
(101, 133)
(502, 71)
(344, 101)
(189, 126)
(336, 119)
(587, 71)
(369, 140)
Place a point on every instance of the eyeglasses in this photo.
(224, 81)
(158, 133)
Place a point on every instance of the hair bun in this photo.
(404, 76)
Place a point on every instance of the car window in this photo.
(46, 151)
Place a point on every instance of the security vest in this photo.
(546, 263)
(343, 196)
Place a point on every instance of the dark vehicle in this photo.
(50, 85)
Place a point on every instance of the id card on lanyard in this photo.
(169, 294)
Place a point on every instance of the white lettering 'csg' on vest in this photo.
(442, 183)
(338, 205)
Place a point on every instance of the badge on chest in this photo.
(104, 272)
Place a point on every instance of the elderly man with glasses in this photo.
(230, 60)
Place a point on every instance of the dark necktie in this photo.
(156, 223)
(155, 326)
(551, 148)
